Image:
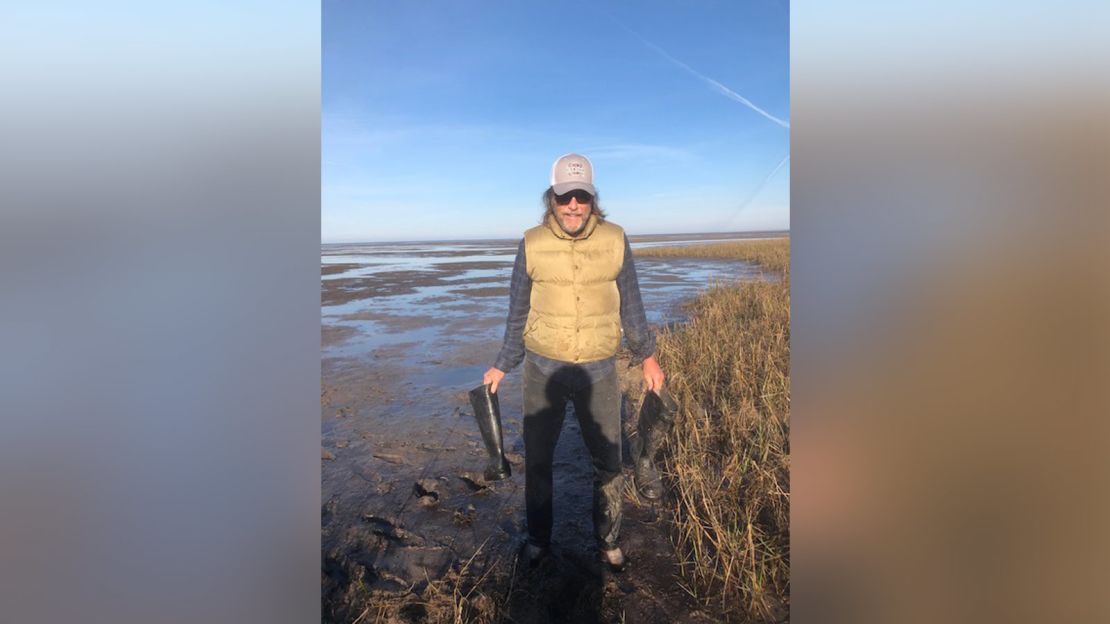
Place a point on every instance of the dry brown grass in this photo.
(729, 369)
(462, 596)
(772, 254)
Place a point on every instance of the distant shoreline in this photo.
(634, 238)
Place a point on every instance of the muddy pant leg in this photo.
(598, 410)
(544, 408)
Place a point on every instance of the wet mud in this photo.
(407, 520)
(406, 504)
(332, 269)
(345, 290)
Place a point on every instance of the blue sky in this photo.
(441, 119)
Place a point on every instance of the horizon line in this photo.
(631, 237)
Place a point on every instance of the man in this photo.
(573, 288)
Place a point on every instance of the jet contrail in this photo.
(759, 188)
(716, 86)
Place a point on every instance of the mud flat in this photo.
(407, 507)
(410, 530)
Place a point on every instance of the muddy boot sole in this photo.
(619, 566)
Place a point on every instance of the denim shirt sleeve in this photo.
(520, 302)
(640, 336)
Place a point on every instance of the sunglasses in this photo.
(581, 196)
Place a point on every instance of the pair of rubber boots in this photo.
(487, 411)
(657, 415)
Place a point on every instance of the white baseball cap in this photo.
(572, 172)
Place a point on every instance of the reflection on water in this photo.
(459, 294)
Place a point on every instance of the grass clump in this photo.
(463, 596)
(728, 462)
(771, 254)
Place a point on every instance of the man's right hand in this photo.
(493, 377)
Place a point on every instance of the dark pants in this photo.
(597, 407)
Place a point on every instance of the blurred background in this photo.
(160, 311)
(950, 241)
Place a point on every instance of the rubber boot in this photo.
(656, 417)
(487, 411)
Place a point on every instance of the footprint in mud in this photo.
(342, 578)
(476, 481)
(464, 516)
(428, 492)
(390, 530)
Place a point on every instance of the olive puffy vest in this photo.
(575, 306)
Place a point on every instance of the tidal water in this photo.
(422, 296)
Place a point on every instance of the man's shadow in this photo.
(569, 584)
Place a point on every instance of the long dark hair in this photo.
(548, 199)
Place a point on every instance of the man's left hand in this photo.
(653, 375)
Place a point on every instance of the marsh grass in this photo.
(462, 596)
(771, 254)
(728, 461)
